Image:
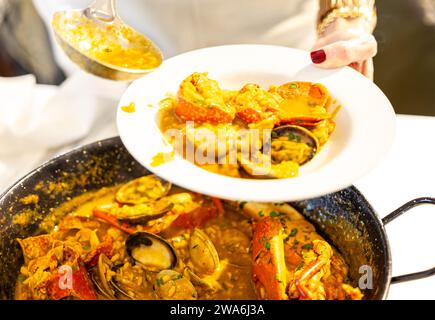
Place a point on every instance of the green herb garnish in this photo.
(300, 266)
(274, 214)
(159, 281)
(307, 246)
(293, 232)
(242, 204)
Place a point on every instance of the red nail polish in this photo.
(318, 56)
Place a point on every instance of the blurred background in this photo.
(405, 64)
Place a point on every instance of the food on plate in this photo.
(147, 239)
(251, 132)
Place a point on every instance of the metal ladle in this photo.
(102, 16)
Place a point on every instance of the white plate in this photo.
(364, 132)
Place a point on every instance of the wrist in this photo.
(360, 13)
(349, 24)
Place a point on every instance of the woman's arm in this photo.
(345, 35)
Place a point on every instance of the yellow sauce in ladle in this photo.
(109, 43)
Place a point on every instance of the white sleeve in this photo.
(46, 9)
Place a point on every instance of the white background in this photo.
(407, 173)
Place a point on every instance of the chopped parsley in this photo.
(242, 204)
(294, 86)
(266, 243)
(307, 246)
(159, 281)
(274, 214)
(294, 137)
(261, 213)
(300, 266)
(293, 232)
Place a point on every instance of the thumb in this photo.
(343, 53)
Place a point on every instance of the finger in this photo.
(343, 53)
(338, 36)
(356, 66)
(368, 69)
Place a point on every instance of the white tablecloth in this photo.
(408, 172)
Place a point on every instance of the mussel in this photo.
(172, 285)
(151, 251)
(293, 143)
(144, 189)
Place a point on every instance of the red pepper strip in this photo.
(113, 221)
(81, 286)
(218, 204)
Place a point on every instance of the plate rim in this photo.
(338, 185)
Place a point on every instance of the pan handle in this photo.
(395, 214)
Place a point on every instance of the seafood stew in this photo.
(146, 239)
(251, 132)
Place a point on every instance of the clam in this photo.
(139, 213)
(203, 253)
(101, 277)
(172, 285)
(260, 165)
(144, 189)
(151, 251)
(208, 283)
(293, 143)
(104, 278)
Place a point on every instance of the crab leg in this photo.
(269, 268)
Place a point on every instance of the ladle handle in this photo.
(395, 214)
(102, 10)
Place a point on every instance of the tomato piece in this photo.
(81, 288)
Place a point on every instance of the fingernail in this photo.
(318, 56)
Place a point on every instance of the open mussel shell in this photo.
(144, 189)
(297, 134)
(151, 251)
(142, 213)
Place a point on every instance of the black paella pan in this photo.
(345, 218)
